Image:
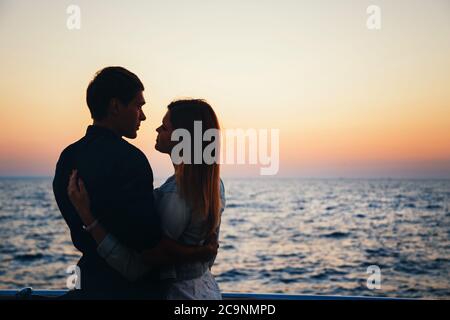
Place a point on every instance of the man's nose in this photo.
(142, 117)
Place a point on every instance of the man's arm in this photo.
(81, 240)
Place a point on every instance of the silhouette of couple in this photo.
(139, 242)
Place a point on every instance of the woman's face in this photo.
(163, 141)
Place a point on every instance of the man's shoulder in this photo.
(130, 155)
(131, 149)
(119, 148)
(70, 150)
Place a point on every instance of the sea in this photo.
(351, 237)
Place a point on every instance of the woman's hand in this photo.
(80, 198)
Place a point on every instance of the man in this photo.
(119, 179)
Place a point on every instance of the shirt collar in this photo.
(94, 130)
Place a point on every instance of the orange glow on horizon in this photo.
(339, 93)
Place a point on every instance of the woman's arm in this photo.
(125, 260)
(169, 251)
(80, 200)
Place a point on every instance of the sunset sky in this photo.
(348, 101)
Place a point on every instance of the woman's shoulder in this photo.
(169, 186)
(172, 209)
(168, 192)
(168, 198)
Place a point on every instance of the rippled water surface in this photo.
(278, 235)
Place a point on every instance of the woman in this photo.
(189, 204)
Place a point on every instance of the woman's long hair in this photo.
(198, 184)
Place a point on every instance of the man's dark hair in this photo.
(109, 83)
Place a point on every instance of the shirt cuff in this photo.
(107, 245)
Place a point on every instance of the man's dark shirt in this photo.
(119, 181)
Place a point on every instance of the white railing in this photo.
(29, 293)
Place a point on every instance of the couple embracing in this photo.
(139, 242)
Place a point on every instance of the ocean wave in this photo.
(28, 256)
(433, 207)
(233, 274)
(336, 235)
(227, 247)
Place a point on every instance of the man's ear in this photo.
(114, 106)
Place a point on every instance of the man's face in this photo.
(130, 116)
